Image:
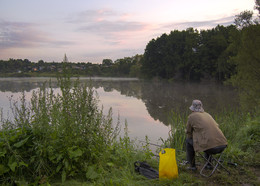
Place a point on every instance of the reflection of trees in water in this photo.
(159, 97)
(16, 85)
(127, 88)
(162, 97)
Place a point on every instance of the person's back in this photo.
(203, 134)
(205, 131)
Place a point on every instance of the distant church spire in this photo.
(65, 59)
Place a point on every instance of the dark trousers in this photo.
(190, 153)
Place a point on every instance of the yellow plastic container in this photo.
(168, 166)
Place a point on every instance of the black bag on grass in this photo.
(146, 170)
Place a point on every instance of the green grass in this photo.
(243, 133)
(65, 138)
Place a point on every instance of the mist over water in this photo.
(144, 105)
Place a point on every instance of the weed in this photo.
(63, 137)
(55, 134)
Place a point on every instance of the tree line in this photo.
(224, 54)
(23, 67)
(207, 54)
(188, 55)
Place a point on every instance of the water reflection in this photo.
(159, 97)
(162, 97)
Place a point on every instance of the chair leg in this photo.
(205, 165)
(215, 166)
(219, 163)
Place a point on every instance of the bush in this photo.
(249, 136)
(60, 134)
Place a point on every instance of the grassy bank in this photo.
(29, 74)
(65, 138)
(242, 156)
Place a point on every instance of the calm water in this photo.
(144, 104)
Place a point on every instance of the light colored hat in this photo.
(196, 106)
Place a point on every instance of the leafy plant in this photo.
(58, 133)
(177, 135)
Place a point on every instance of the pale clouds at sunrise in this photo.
(90, 31)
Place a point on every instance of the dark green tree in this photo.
(257, 7)
(247, 62)
(188, 65)
(107, 62)
(189, 55)
(153, 64)
(135, 70)
(122, 66)
(214, 54)
(244, 19)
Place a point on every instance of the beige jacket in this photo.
(205, 131)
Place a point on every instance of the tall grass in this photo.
(61, 135)
(231, 121)
(64, 137)
(177, 135)
(242, 131)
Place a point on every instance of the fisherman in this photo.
(203, 135)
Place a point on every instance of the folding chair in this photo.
(215, 162)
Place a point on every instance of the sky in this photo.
(93, 30)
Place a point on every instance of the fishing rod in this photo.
(150, 143)
(185, 162)
(158, 145)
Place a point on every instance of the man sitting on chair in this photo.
(203, 135)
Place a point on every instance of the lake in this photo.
(145, 105)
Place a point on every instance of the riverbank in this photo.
(28, 74)
(241, 158)
(52, 74)
(66, 138)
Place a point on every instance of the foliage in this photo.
(189, 55)
(165, 56)
(230, 121)
(244, 19)
(244, 148)
(125, 67)
(177, 135)
(247, 63)
(242, 155)
(245, 46)
(246, 138)
(63, 137)
(62, 133)
(107, 62)
(249, 135)
(257, 5)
